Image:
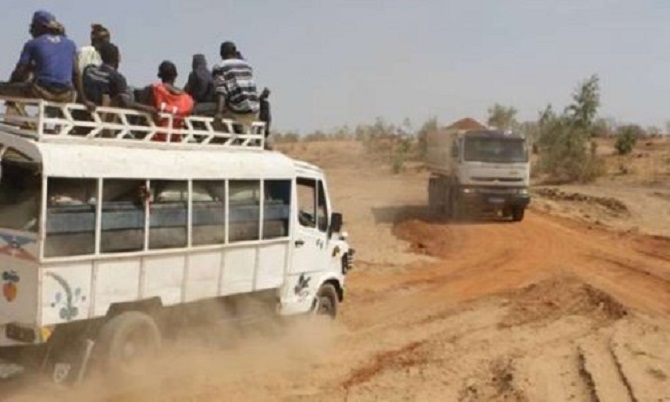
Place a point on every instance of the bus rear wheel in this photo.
(127, 342)
(326, 301)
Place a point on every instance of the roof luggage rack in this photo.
(45, 121)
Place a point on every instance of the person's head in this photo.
(228, 50)
(167, 72)
(109, 54)
(43, 22)
(199, 60)
(99, 35)
(265, 94)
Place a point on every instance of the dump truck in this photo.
(477, 170)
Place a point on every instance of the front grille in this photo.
(498, 179)
(348, 261)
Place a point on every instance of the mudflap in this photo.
(69, 366)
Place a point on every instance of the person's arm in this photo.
(24, 66)
(220, 104)
(78, 79)
(190, 86)
(119, 92)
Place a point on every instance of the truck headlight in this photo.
(523, 191)
(467, 190)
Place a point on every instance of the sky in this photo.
(345, 62)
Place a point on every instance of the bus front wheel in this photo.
(326, 301)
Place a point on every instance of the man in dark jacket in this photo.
(200, 83)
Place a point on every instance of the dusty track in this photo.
(547, 310)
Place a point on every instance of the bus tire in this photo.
(125, 341)
(326, 301)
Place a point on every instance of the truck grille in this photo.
(499, 179)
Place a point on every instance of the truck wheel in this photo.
(126, 341)
(326, 301)
(518, 213)
(456, 208)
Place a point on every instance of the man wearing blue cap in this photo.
(51, 59)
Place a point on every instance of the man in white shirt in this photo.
(89, 55)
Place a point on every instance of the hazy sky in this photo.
(335, 62)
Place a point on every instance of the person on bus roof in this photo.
(200, 84)
(166, 97)
(235, 86)
(89, 55)
(104, 85)
(50, 57)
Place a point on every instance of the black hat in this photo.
(167, 70)
(228, 48)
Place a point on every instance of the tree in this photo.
(564, 140)
(653, 131)
(627, 138)
(586, 100)
(502, 117)
(428, 126)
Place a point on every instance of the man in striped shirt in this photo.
(235, 86)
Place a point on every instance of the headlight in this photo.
(468, 190)
(523, 191)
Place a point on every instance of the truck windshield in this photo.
(19, 196)
(495, 150)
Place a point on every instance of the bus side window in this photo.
(20, 196)
(122, 216)
(322, 210)
(209, 213)
(71, 207)
(168, 214)
(244, 210)
(276, 209)
(307, 202)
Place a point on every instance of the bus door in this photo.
(311, 234)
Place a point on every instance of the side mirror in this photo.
(336, 221)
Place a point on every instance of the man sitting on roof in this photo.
(235, 87)
(105, 86)
(89, 55)
(166, 97)
(51, 59)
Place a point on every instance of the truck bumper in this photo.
(494, 199)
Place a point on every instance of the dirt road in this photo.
(545, 310)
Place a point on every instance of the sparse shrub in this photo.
(401, 152)
(627, 139)
(567, 153)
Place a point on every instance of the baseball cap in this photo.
(44, 18)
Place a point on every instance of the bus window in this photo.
(307, 202)
(244, 210)
(209, 214)
(322, 210)
(71, 206)
(168, 214)
(276, 208)
(20, 196)
(122, 216)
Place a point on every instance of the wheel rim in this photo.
(325, 306)
(137, 346)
